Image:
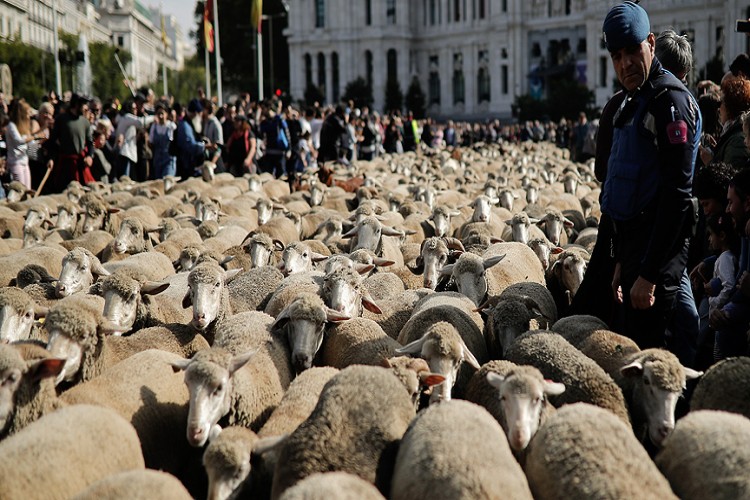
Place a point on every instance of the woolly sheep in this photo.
(17, 312)
(332, 486)
(725, 386)
(609, 461)
(153, 266)
(290, 287)
(297, 257)
(558, 360)
(434, 254)
(281, 229)
(136, 485)
(363, 411)
(439, 459)
(356, 341)
(522, 228)
(707, 456)
(79, 267)
(66, 451)
(651, 380)
(373, 235)
(47, 257)
(95, 242)
(395, 311)
(208, 295)
(252, 289)
(343, 290)
(577, 327)
(516, 396)
(261, 248)
(242, 376)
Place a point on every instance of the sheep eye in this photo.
(12, 378)
(134, 230)
(217, 284)
(132, 297)
(304, 255)
(646, 381)
(29, 314)
(218, 389)
(502, 398)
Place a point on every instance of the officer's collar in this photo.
(655, 70)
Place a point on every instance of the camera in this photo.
(742, 26)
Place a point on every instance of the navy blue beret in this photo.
(625, 25)
(195, 106)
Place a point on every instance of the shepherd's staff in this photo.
(124, 74)
(44, 180)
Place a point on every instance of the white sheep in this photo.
(332, 486)
(136, 485)
(724, 387)
(438, 458)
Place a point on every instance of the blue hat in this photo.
(625, 25)
(194, 106)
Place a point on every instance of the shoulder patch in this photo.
(677, 132)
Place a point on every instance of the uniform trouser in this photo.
(683, 327)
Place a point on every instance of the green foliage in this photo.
(565, 97)
(415, 99)
(360, 92)
(313, 94)
(33, 70)
(183, 84)
(394, 98)
(714, 69)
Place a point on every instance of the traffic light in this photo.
(278, 92)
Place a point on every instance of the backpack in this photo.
(282, 131)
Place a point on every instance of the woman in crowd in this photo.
(730, 147)
(17, 137)
(160, 137)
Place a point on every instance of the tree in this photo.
(106, 78)
(394, 98)
(313, 94)
(360, 92)
(183, 83)
(566, 98)
(415, 99)
(714, 69)
(33, 70)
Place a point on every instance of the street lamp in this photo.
(270, 19)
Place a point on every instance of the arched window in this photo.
(320, 13)
(335, 76)
(390, 11)
(308, 70)
(483, 77)
(368, 67)
(322, 72)
(458, 78)
(392, 65)
(433, 13)
(368, 12)
(433, 86)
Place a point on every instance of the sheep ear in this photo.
(491, 261)
(44, 368)
(112, 210)
(363, 268)
(509, 222)
(351, 233)
(469, 358)
(380, 262)
(553, 388)
(240, 360)
(418, 267)
(318, 257)
(556, 250)
(281, 320)
(389, 231)
(369, 303)
(409, 232)
(447, 270)
(187, 300)
(229, 275)
(180, 365)
(634, 369)
(413, 348)
(533, 220)
(484, 305)
(431, 379)
(40, 311)
(266, 444)
(278, 245)
(567, 222)
(496, 240)
(454, 213)
(691, 374)
(153, 288)
(108, 328)
(226, 260)
(495, 379)
(335, 316)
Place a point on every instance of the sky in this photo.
(182, 10)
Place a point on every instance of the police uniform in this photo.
(647, 194)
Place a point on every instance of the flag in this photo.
(256, 15)
(208, 25)
(164, 39)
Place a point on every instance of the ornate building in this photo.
(473, 57)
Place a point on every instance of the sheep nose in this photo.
(302, 361)
(429, 284)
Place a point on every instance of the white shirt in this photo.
(127, 125)
(725, 269)
(16, 144)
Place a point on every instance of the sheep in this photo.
(357, 341)
(96, 242)
(576, 328)
(609, 461)
(47, 257)
(707, 456)
(17, 313)
(651, 380)
(343, 291)
(441, 220)
(79, 267)
(434, 254)
(363, 411)
(66, 451)
(724, 387)
(144, 390)
(227, 461)
(519, 264)
(466, 324)
(292, 286)
(252, 289)
(522, 228)
(152, 266)
(133, 237)
(98, 215)
(566, 275)
(297, 257)
(514, 312)
(370, 235)
(261, 248)
(516, 396)
(439, 459)
(136, 485)
(304, 321)
(281, 229)
(33, 274)
(332, 486)
(242, 376)
(554, 223)
(558, 360)
(543, 250)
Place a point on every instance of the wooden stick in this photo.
(44, 180)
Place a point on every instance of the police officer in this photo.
(647, 193)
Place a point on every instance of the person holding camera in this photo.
(730, 147)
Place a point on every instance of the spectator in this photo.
(730, 147)
(241, 148)
(17, 137)
(214, 135)
(161, 135)
(69, 146)
(190, 151)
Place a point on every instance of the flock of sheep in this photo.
(222, 337)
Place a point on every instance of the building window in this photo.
(308, 70)
(433, 85)
(503, 5)
(392, 65)
(603, 63)
(483, 77)
(458, 79)
(322, 72)
(504, 79)
(320, 13)
(482, 9)
(368, 67)
(335, 76)
(424, 12)
(567, 7)
(432, 13)
(390, 11)
(120, 41)
(456, 10)
(581, 48)
(368, 12)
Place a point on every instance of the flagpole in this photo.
(164, 73)
(164, 46)
(208, 72)
(55, 38)
(217, 48)
(259, 47)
